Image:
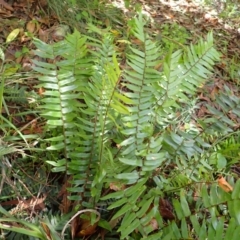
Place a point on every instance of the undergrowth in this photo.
(128, 143)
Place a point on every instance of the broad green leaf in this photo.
(104, 224)
(221, 161)
(147, 218)
(178, 209)
(145, 207)
(127, 207)
(55, 122)
(230, 228)
(205, 196)
(236, 207)
(127, 220)
(220, 228)
(58, 146)
(58, 163)
(203, 231)
(59, 169)
(211, 232)
(118, 203)
(214, 197)
(195, 223)
(116, 195)
(2, 55)
(175, 230)
(129, 176)
(184, 204)
(132, 189)
(184, 229)
(133, 226)
(12, 35)
(236, 190)
(132, 162)
(235, 235)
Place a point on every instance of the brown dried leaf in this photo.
(66, 203)
(154, 224)
(86, 228)
(46, 230)
(6, 5)
(222, 183)
(75, 225)
(36, 203)
(82, 227)
(166, 209)
(43, 35)
(31, 26)
(117, 186)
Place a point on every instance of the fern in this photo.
(92, 107)
(83, 101)
(62, 102)
(144, 149)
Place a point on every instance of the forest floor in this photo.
(175, 22)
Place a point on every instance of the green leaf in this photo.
(104, 224)
(134, 225)
(220, 228)
(127, 207)
(184, 229)
(214, 196)
(195, 223)
(117, 195)
(2, 55)
(175, 230)
(118, 203)
(58, 163)
(211, 232)
(129, 176)
(230, 228)
(203, 231)
(205, 196)
(236, 190)
(12, 35)
(236, 207)
(127, 220)
(144, 207)
(184, 204)
(235, 235)
(221, 161)
(178, 209)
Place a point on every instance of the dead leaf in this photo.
(154, 224)
(6, 5)
(47, 230)
(136, 41)
(82, 227)
(116, 186)
(41, 90)
(31, 26)
(43, 35)
(66, 204)
(74, 227)
(86, 228)
(166, 209)
(30, 204)
(224, 184)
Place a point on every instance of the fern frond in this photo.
(221, 115)
(63, 81)
(148, 145)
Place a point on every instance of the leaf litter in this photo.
(24, 19)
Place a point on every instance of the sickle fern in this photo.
(133, 129)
